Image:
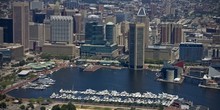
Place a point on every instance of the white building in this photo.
(61, 29)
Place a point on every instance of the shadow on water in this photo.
(136, 80)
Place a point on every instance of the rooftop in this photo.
(141, 12)
(61, 18)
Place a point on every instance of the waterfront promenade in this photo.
(93, 68)
(45, 72)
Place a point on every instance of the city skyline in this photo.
(110, 52)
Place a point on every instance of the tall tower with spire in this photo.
(142, 18)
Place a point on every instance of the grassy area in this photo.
(7, 80)
(93, 107)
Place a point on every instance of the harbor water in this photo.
(122, 80)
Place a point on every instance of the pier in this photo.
(45, 72)
(208, 87)
(175, 82)
(92, 68)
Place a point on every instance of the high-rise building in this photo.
(171, 33)
(36, 39)
(216, 39)
(38, 17)
(110, 32)
(89, 31)
(191, 52)
(78, 23)
(122, 16)
(36, 4)
(47, 29)
(1, 35)
(136, 45)
(142, 18)
(71, 4)
(20, 23)
(7, 25)
(61, 29)
(98, 35)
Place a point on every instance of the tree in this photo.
(40, 100)
(22, 63)
(30, 59)
(3, 105)
(22, 107)
(56, 107)
(30, 105)
(43, 108)
(64, 107)
(161, 107)
(2, 96)
(71, 106)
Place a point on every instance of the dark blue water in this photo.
(123, 80)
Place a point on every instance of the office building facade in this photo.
(142, 18)
(61, 29)
(37, 39)
(7, 25)
(191, 52)
(20, 23)
(110, 32)
(78, 23)
(171, 33)
(136, 45)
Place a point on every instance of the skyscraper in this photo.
(78, 23)
(61, 29)
(171, 33)
(191, 52)
(98, 35)
(136, 45)
(7, 25)
(89, 31)
(36, 39)
(142, 18)
(20, 23)
(110, 32)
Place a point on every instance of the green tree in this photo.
(2, 96)
(64, 107)
(43, 108)
(161, 107)
(22, 63)
(22, 107)
(40, 100)
(71, 106)
(3, 105)
(30, 105)
(56, 107)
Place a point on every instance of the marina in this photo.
(117, 97)
(41, 83)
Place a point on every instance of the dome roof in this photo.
(93, 16)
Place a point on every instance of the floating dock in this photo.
(208, 87)
(175, 82)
